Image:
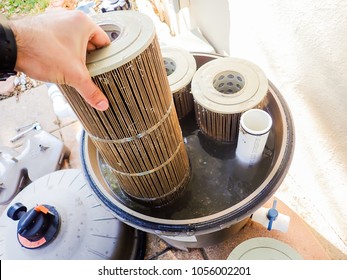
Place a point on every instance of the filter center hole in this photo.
(113, 31)
(170, 65)
(228, 82)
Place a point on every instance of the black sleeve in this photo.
(8, 51)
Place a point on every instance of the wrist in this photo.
(23, 33)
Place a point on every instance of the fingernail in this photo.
(102, 105)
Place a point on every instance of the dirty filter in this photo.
(223, 89)
(139, 135)
(180, 68)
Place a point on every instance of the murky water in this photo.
(218, 180)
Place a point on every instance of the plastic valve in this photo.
(272, 215)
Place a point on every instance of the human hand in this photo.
(52, 47)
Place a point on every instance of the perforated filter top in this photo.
(180, 67)
(229, 85)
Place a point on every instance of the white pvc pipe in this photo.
(255, 125)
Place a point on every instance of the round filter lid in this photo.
(180, 67)
(263, 248)
(83, 227)
(229, 85)
(130, 32)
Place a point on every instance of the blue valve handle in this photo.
(272, 215)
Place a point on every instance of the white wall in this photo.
(302, 48)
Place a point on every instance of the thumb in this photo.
(92, 94)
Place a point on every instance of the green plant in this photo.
(23, 7)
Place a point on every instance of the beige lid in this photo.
(229, 85)
(131, 32)
(263, 248)
(180, 66)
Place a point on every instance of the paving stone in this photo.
(168, 255)
(71, 136)
(29, 107)
(174, 254)
(155, 246)
(7, 87)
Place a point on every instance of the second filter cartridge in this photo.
(180, 68)
(223, 89)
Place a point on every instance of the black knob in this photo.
(16, 211)
(33, 225)
(36, 227)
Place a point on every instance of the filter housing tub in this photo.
(222, 193)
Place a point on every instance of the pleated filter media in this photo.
(139, 136)
(223, 89)
(180, 68)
